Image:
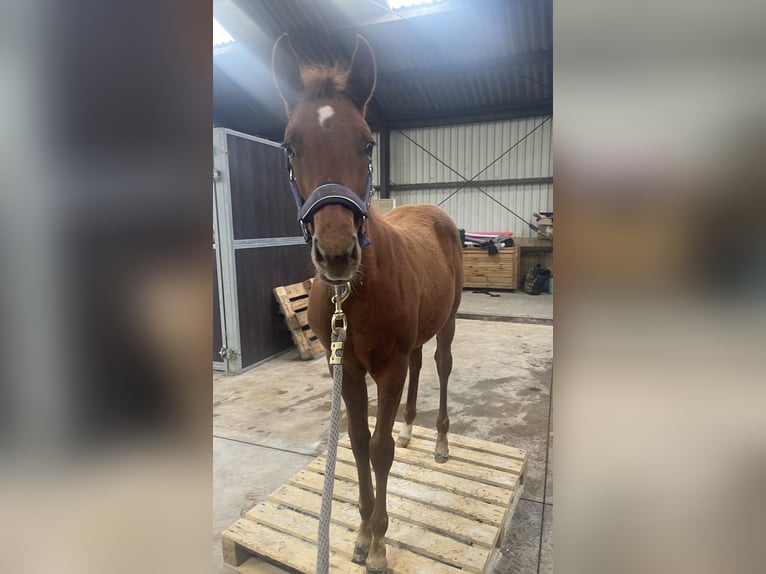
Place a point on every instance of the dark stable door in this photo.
(268, 252)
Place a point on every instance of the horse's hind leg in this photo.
(443, 358)
(416, 361)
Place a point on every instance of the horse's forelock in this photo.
(323, 82)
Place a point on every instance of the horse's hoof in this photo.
(377, 562)
(360, 553)
(440, 458)
(402, 442)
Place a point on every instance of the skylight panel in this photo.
(397, 4)
(220, 35)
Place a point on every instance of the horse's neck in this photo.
(379, 256)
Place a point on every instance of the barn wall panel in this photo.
(473, 210)
(481, 151)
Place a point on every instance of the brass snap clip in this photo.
(338, 323)
(339, 317)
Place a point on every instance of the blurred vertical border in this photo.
(659, 394)
(105, 289)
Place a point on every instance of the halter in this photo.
(331, 194)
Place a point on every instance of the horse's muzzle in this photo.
(336, 264)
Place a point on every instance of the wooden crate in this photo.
(382, 206)
(293, 304)
(500, 271)
(443, 518)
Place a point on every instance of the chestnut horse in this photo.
(405, 268)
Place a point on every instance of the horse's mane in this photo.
(323, 82)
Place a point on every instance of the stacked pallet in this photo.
(293, 304)
(444, 518)
(499, 271)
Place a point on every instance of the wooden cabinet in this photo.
(533, 250)
(500, 271)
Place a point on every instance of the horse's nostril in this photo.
(318, 252)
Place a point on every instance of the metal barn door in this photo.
(259, 246)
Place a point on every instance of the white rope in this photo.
(323, 536)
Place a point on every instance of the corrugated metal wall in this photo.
(467, 150)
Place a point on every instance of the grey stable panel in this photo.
(262, 204)
(263, 332)
(217, 331)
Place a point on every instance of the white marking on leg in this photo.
(325, 113)
(406, 431)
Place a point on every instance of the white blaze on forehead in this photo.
(325, 113)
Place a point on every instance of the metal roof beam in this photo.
(451, 70)
(473, 115)
(471, 183)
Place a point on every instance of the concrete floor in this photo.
(515, 306)
(272, 420)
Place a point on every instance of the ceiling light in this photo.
(220, 35)
(397, 4)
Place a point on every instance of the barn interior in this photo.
(462, 116)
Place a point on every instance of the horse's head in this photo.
(327, 141)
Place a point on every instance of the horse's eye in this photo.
(289, 150)
(368, 148)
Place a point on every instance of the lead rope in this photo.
(339, 326)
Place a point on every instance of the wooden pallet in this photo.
(293, 304)
(443, 518)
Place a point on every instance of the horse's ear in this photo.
(286, 72)
(363, 75)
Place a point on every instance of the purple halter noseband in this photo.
(331, 194)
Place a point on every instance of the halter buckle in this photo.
(305, 231)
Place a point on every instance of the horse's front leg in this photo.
(355, 397)
(390, 383)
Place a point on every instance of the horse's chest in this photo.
(378, 327)
(376, 338)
